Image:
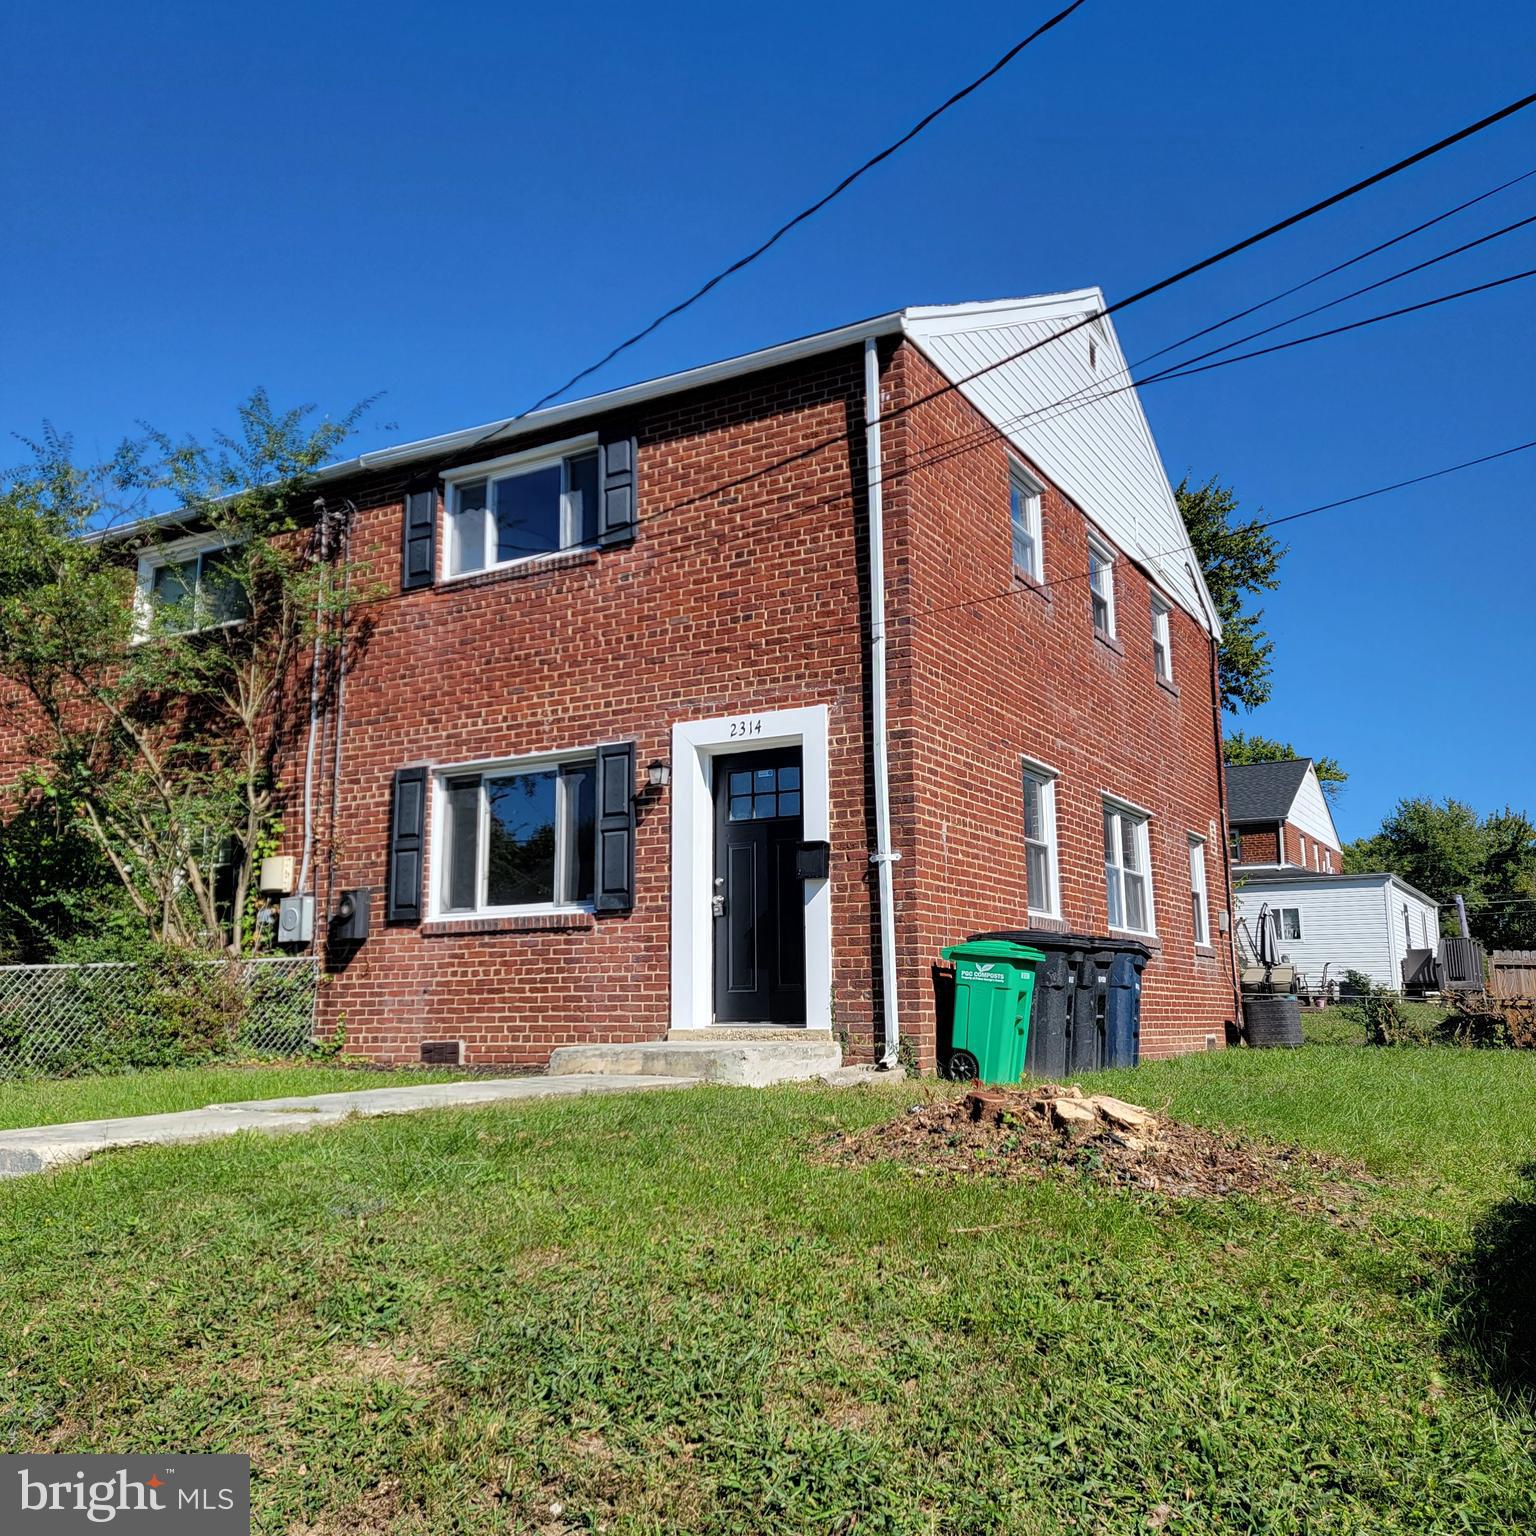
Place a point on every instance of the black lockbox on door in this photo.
(813, 861)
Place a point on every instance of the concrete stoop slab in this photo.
(754, 1063)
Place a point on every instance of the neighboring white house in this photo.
(1328, 924)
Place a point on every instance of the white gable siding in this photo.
(1343, 926)
(1101, 454)
(1309, 812)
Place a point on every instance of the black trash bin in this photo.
(1087, 1007)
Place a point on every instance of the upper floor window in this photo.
(1327, 861)
(1199, 897)
(1303, 837)
(1024, 510)
(190, 585)
(1040, 841)
(518, 837)
(1101, 586)
(1162, 649)
(1127, 868)
(518, 508)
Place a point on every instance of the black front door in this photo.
(759, 903)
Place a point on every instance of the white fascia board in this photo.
(575, 410)
(621, 399)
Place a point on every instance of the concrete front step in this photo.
(740, 1063)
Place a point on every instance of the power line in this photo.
(799, 218)
(1232, 250)
(1334, 270)
(1291, 517)
(1089, 393)
(1289, 222)
(983, 434)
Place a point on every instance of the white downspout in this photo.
(884, 855)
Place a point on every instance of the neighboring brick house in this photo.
(1279, 817)
(610, 763)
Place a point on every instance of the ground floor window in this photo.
(518, 838)
(1127, 868)
(1199, 900)
(1040, 841)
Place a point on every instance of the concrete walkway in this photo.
(49, 1146)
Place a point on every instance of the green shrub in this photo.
(1385, 1019)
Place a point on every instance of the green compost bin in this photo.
(994, 988)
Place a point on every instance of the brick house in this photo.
(644, 741)
(1278, 817)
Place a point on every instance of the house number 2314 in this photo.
(752, 727)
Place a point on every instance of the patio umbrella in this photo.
(1268, 939)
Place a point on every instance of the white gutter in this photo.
(884, 856)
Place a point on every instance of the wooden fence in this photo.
(1512, 973)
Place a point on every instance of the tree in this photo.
(1237, 559)
(156, 722)
(1445, 849)
(1240, 747)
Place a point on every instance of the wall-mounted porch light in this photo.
(657, 774)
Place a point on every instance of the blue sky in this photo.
(459, 205)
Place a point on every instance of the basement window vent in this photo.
(442, 1053)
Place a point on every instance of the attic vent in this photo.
(442, 1053)
(1093, 353)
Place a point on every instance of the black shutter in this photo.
(418, 540)
(407, 839)
(615, 862)
(617, 515)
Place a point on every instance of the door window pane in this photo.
(520, 839)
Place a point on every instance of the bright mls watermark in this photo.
(133, 1495)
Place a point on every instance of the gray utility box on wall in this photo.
(296, 920)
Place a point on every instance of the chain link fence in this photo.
(56, 1020)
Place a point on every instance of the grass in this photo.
(1339, 1025)
(45, 1101)
(663, 1313)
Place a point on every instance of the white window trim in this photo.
(438, 851)
(1047, 777)
(1162, 629)
(173, 553)
(1099, 549)
(492, 469)
(1197, 849)
(1034, 520)
(1143, 820)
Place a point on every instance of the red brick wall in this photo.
(1282, 845)
(743, 593)
(740, 594)
(1256, 845)
(1293, 851)
(986, 683)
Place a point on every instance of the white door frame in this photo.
(695, 745)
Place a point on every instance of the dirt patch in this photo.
(1029, 1132)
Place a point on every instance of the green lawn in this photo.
(44, 1101)
(663, 1313)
